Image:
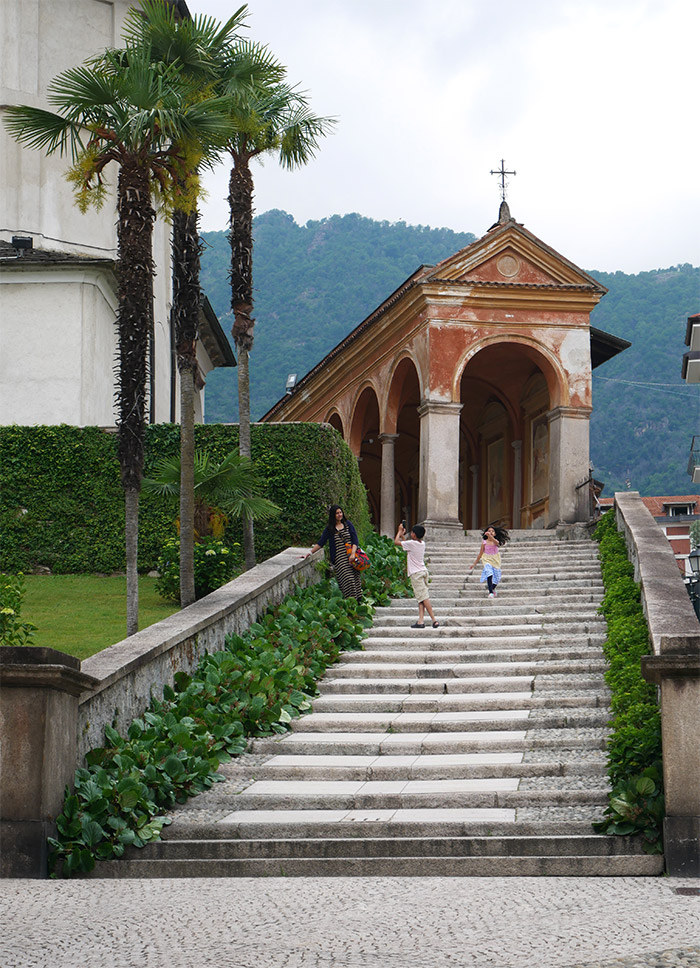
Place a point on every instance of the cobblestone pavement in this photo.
(343, 922)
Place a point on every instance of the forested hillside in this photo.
(314, 283)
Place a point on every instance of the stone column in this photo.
(568, 461)
(438, 495)
(39, 690)
(474, 468)
(677, 674)
(517, 446)
(388, 491)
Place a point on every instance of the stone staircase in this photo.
(473, 749)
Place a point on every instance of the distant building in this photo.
(675, 515)
(58, 295)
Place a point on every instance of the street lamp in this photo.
(693, 582)
(694, 560)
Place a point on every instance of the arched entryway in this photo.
(508, 391)
(334, 420)
(402, 423)
(365, 444)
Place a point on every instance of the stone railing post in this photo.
(39, 690)
(674, 667)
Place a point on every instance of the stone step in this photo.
(461, 654)
(504, 845)
(467, 669)
(526, 866)
(426, 767)
(412, 686)
(491, 792)
(485, 616)
(478, 636)
(419, 743)
(441, 702)
(448, 722)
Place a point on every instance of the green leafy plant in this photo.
(637, 807)
(13, 631)
(255, 686)
(386, 578)
(636, 803)
(214, 565)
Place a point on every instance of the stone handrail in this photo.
(673, 624)
(674, 666)
(130, 672)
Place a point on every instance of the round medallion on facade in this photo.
(508, 265)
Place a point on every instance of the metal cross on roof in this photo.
(502, 173)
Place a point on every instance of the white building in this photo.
(58, 299)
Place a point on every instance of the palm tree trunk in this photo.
(134, 233)
(186, 302)
(131, 531)
(240, 201)
(187, 590)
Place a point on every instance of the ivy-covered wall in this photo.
(62, 506)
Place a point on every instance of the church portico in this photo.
(466, 395)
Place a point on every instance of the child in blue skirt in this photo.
(493, 539)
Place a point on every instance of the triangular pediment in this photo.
(510, 255)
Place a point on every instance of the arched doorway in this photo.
(334, 420)
(365, 444)
(402, 419)
(507, 391)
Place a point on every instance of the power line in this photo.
(650, 386)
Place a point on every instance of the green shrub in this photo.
(214, 565)
(636, 803)
(13, 631)
(62, 505)
(255, 686)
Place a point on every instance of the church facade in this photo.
(466, 395)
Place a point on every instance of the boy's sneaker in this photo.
(492, 594)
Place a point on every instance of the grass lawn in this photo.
(83, 614)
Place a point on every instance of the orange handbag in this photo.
(361, 562)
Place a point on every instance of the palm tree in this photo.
(202, 48)
(269, 119)
(137, 113)
(224, 489)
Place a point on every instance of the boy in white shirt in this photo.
(417, 572)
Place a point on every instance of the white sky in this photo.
(593, 102)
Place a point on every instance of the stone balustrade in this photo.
(53, 709)
(674, 666)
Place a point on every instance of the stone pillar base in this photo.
(682, 846)
(27, 853)
(442, 530)
(39, 691)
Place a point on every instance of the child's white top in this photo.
(416, 555)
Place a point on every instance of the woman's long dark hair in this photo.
(501, 534)
(331, 516)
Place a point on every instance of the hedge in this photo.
(62, 506)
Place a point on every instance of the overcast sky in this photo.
(594, 103)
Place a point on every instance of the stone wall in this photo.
(674, 667)
(130, 672)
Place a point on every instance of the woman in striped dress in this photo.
(338, 533)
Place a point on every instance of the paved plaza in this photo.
(343, 922)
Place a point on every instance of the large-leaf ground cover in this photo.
(256, 685)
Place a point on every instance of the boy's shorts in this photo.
(419, 583)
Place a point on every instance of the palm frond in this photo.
(39, 129)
